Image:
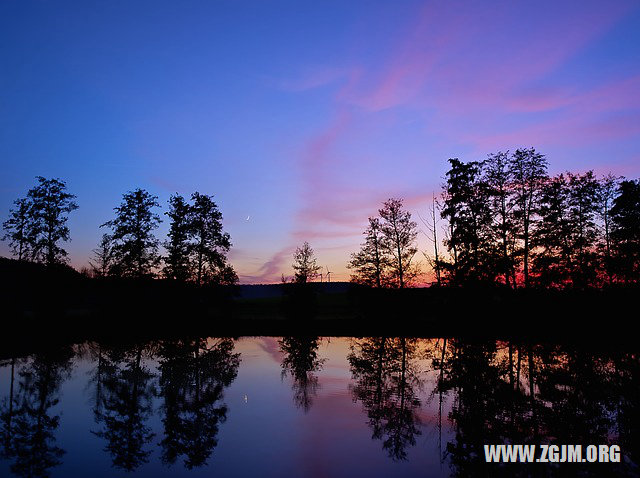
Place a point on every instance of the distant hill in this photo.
(265, 291)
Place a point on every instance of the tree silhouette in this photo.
(432, 226)
(371, 263)
(210, 242)
(608, 191)
(300, 362)
(625, 222)
(509, 223)
(584, 193)
(124, 407)
(553, 258)
(19, 229)
(499, 184)
(567, 235)
(304, 264)
(193, 376)
(178, 262)
(399, 234)
(385, 383)
(528, 170)
(135, 248)
(103, 257)
(466, 208)
(39, 223)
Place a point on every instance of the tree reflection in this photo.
(123, 406)
(485, 407)
(626, 390)
(300, 361)
(386, 383)
(514, 393)
(28, 426)
(193, 376)
(7, 411)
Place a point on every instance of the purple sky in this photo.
(305, 116)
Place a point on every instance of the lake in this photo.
(311, 406)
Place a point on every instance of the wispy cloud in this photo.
(483, 80)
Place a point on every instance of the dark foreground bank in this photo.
(60, 305)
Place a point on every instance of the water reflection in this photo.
(29, 424)
(534, 394)
(397, 405)
(125, 405)
(300, 361)
(386, 378)
(193, 376)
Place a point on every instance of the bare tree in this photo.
(432, 226)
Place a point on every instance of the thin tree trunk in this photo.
(10, 415)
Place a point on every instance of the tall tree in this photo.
(433, 229)
(466, 208)
(304, 264)
(528, 170)
(178, 262)
(499, 184)
(370, 264)
(566, 235)
(135, 247)
(399, 234)
(584, 193)
(50, 207)
(210, 242)
(552, 236)
(609, 185)
(19, 229)
(625, 222)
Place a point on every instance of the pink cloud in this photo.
(272, 269)
(443, 63)
(441, 70)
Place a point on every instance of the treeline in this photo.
(508, 222)
(196, 246)
(502, 221)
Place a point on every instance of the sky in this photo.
(301, 118)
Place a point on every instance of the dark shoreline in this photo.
(593, 332)
(60, 306)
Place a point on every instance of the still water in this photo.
(310, 406)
